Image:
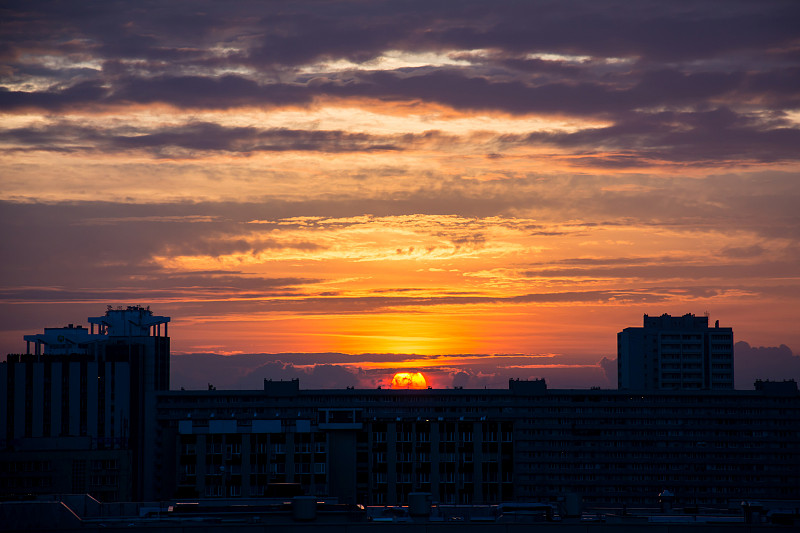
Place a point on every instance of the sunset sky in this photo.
(475, 190)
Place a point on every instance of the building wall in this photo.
(485, 446)
(105, 474)
(68, 403)
(675, 353)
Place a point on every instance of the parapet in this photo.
(282, 388)
(786, 387)
(527, 387)
(666, 321)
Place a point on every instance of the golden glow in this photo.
(409, 380)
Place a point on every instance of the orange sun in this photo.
(409, 380)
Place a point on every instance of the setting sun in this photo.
(409, 380)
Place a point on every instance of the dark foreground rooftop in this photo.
(306, 514)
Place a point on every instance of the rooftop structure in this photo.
(130, 321)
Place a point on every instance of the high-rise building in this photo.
(675, 353)
(80, 407)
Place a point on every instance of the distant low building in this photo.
(675, 353)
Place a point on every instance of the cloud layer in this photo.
(356, 177)
(332, 370)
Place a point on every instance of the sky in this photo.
(360, 188)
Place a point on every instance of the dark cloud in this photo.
(703, 84)
(652, 31)
(113, 247)
(599, 97)
(718, 137)
(316, 376)
(761, 270)
(78, 94)
(298, 32)
(610, 370)
(775, 363)
(248, 372)
(607, 261)
(207, 92)
(755, 250)
(326, 371)
(202, 137)
(712, 137)
(142, 49)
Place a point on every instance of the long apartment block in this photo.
(526, 443)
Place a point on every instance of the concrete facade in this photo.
(527, 443)
(675, 353)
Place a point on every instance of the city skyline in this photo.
(513, 182)
(680, 341)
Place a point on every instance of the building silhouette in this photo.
(524, 443)
(80, 404)
(675, 353)
(114, 423)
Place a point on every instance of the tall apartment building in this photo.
(79, 407)
(675, 353)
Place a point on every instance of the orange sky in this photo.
(363, 180)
